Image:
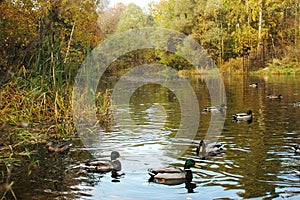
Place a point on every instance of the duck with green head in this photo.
(274, 96)
(113, 164)
(253, 85)
(243, 116)
(210, 149)
(173, 176)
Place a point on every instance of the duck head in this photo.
(190, 163)
(114, 155)
(223, 105)
(249, 112)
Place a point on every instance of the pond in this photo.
(257, 161)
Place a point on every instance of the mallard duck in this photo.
(296, 149)
(105, 165)
(210, 149)
(274, 96)
(58, 147)
(243, 116)
(215, 109)
(173, 176)
(253, 85)
(296, 104)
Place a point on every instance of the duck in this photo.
(210, 149)
(297, 104)
(58, 147)
(243, 116)
(253, 85)
(113, 164)
(173, 176)
(296, 149)
(215, 109)
(274, 96)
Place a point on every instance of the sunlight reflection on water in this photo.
(256, 162)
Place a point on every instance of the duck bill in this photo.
(197, 166)
(201, 148)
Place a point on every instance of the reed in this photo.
(36, 103)
(103, 110)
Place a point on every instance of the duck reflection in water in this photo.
(175, 176)
(116, 176)
(249, 121)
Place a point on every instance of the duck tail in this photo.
(219, 146)
(295, 148)
(206, 109)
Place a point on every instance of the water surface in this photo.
(257, 162)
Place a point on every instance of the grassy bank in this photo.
(283, 66)
(33, 113)
(29, 113)
(280, 67)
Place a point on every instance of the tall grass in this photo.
(36, 103)
(103, 110)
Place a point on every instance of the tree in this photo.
(175, 14)
(233, 28)
(18, 36)
(39, 34)
(133, 17)
(109, 18)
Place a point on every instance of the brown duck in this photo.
(58, 147)
(105, 165)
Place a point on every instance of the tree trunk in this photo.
(259, 24)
